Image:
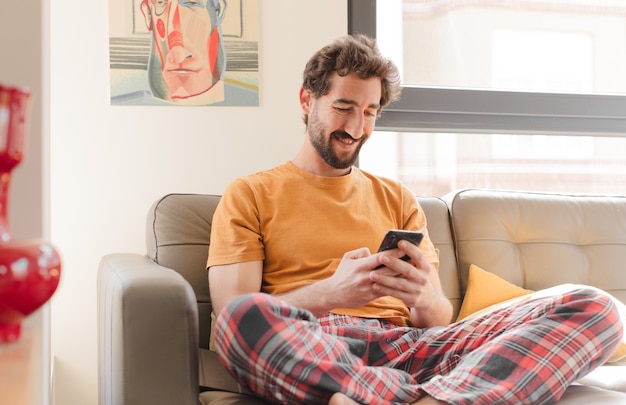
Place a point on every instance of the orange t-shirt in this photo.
(300, 225)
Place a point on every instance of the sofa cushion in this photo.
(438, 224)
(540, 240)
(609, 377)
(484, 290)
(591, 395)
(178, 231)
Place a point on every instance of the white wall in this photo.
(108, 164)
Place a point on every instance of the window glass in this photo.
(437, 163)
(516, 94)
(507, 45)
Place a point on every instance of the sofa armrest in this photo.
(147, 334)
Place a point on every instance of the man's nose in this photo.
(175, 32)
(175, 39)
(178, 54)
(355, 126)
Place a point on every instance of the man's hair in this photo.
(352, 54)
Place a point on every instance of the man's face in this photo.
(341, 121)
(187, 52)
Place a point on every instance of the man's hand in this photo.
(359, 279)
(416, 283)
(351, 283)
(350, 286)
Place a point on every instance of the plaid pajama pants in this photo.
(526, 354)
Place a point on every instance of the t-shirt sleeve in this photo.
(235, 229)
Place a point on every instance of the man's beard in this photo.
(324, 146)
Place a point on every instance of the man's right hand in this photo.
(350, 286)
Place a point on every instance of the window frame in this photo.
(441, 109)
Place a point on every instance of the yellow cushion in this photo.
(487, 292)
(485, 289)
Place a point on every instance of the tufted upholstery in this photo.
(539, 240)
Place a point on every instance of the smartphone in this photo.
(390, 241)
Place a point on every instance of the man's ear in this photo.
(306, 98)
(145, 10)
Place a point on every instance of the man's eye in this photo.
(193, 3)
(159, 6)
(343, 109)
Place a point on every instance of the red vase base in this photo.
(10, 332)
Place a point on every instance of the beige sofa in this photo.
(154, 310)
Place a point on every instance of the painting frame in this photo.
(135, 78)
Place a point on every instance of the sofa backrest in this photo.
(440, 232)
(178, 230)
(539, 240)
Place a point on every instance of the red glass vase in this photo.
(29, 270)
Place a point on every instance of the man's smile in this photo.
(344, 138)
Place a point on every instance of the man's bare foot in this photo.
(339, 399)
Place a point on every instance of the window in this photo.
(518, 94)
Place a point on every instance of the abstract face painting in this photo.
(187, 57)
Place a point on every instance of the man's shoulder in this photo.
(259, 180)
(276, 173)
(384, 183)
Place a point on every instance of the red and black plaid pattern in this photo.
(527, 354)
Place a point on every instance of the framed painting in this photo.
(184, 52)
